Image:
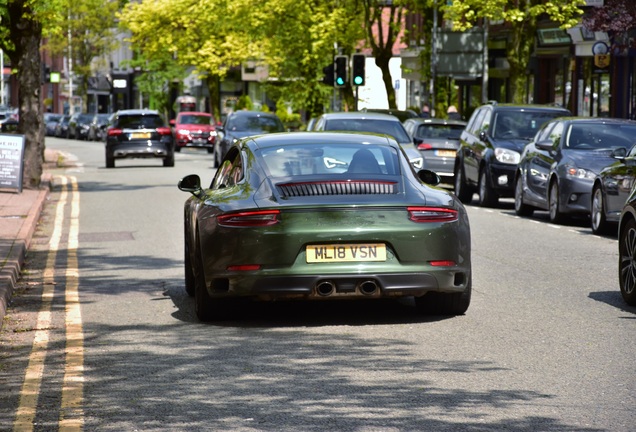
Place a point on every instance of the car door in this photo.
(473, 145)
(539, 162)
(619, 183)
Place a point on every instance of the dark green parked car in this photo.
(320, 215)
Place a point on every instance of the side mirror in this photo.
(429, 177)
(546, 145)
(191, 183)
(619, 153)
(417, 141)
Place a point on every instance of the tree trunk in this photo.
(383, 63)
(26, 34)
(212, 82)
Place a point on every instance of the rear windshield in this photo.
(139, 121)
(385, 127)
(332, 158)
(441, 131)
(195, 119)
(255, 124)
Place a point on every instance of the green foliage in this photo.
(244, 102)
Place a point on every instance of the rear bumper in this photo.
(155, 149)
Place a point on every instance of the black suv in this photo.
(139, 134)
(491, 146)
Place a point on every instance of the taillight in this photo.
(115, 132)
(424, 146)
(432, 214)
(442, 263)
(164, 130)
(244, 267)
(249, 219)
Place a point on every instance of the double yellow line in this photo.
(71, 409)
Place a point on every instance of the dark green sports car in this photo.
(319, 215)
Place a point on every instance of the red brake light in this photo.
(244, 267)
(424, 146)
(442, 263)
(164, 131)
(432, 214)
(249, 219)
(114, 132)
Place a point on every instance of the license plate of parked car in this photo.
(346, 252)
(446, 153)
(140, 135)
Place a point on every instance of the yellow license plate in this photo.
(346, 253)
(140, 135)
(446, 153)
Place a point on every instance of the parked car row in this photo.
(81, 126)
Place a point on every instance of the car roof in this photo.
(321, 138)
(137, 112)
(199, 113)
(436, 121)
(597, 120)
(528, 107)
(247, 113)
(359, 115)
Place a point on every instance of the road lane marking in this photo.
(35, 367)
(71, 410)
(71, 417)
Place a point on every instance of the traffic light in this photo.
(341, 70)
(328, 75)
(357, 69)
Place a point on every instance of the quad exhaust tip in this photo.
(368, 287)
(325, 288)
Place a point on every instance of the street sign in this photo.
(11, 161)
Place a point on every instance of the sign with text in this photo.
(11, 161)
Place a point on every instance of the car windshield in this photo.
(386, 127)
(53, 117)
(255, 124)
(195, 119)
(520, 124)
(330, 159)
(594, 136)
(441, 131)
(139, 121)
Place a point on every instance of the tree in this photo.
(520, 21)
(208, 35)
(87, 34)
(21, 31)
(383, 23)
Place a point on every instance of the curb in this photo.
(15, 260)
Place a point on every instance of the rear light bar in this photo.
(424, 146)
(115, 132)
(442, 263)
(244, 267)
(249, 219)
(432, 214)
(164, 131)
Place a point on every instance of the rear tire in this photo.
(520, 208)
(110, 160)
(462, 190)
(208, 308)
(168, 161)
(627, 262)
(189, 272)
(439, 303)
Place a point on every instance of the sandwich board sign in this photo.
(11, 162)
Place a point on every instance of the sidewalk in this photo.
(19, 215)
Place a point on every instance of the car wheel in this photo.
(177, 149)
(627, 262)
(217, 158)
(597, 217)
(168, 161)
(210, 150)
(189, 272)
(439, 303)
(554, 207)
(520, 208)
(110, 160)
(462, 190)
(487, 196)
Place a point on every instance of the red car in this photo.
(194, 129)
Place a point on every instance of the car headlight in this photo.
(579, 173)
(507, 156)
